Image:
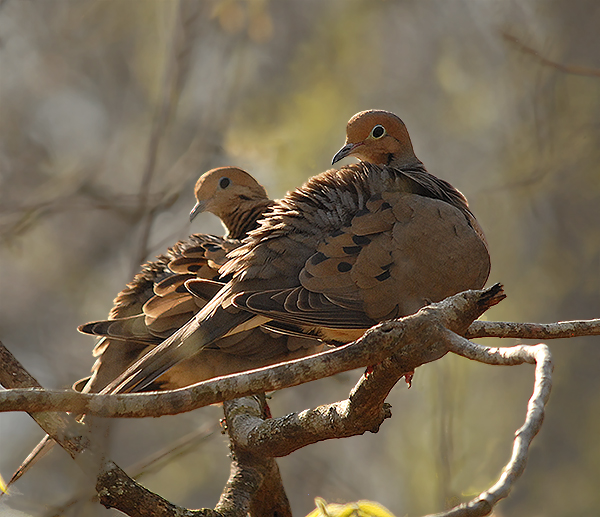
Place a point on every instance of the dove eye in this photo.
(378, 131)
(224, 182)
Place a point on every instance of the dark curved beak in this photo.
(198, 207)
(344, 151)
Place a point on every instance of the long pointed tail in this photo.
(194, 336)
(41, 449)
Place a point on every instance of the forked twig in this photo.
(539, 355)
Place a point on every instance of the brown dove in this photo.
(156, 303)
(350, 248)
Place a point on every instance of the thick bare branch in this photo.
(117, 490)
(209, 392)
(511, 329)
(281, 436)
(414, 333)
(254, 486)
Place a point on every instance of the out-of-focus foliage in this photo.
(110, 110)
(358, 509)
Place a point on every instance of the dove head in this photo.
(378, 137)
(223, 190)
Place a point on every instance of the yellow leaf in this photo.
(361, 508)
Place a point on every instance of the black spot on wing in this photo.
(344, 267)
(317, 258)
(361, 240)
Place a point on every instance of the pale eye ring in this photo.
(224, 182)
(378, 131)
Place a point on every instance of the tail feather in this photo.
(41, 449)
(197, 334)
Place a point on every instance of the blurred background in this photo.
(110, 110)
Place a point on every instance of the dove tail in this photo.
(190, 339)
(41, 449)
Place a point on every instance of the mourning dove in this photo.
(352, 247)
(156, 303)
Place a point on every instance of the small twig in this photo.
(539, 355)
(174, 75)
(115, 488)
(159, 126)
(568, 69)
(511, 329)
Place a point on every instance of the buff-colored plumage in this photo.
(353, 246)
(234, 196)
(157, 303)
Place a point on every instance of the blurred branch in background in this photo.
(176, 69)
(568, 69)
(20, 219)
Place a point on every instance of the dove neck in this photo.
(244, 217)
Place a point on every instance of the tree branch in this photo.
(117, 490)
(279, 437)
(538, 355)
(568, 69)
(61, 427)
(416, 336)
(511, 329)
(255, 484)
(155, 460)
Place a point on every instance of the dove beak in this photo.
(198, 207)
(347, 150)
